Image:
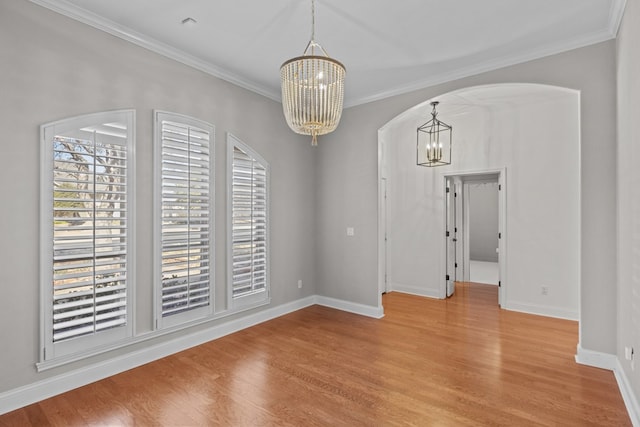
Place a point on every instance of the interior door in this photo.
(458, 231)
(501, 237)
(450, 216)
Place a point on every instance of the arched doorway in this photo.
(530, 131)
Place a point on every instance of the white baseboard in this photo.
(596, 359)
(629, 397)
(612, 363)
(40, 390)
(352, 307)
(541, 310)
(415, 290)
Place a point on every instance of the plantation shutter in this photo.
(249, 226)
(86, 222)
(186, 238)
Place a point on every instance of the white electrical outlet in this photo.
(351, 231)
(628, 354)
(544, 290)
(300, 284)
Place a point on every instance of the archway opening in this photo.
(532, 133)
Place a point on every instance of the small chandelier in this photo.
(312, 89)
(434, 142)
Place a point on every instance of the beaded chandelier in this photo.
(312, 89)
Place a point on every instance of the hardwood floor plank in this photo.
(455, 362)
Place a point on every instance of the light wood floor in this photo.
(428, 362)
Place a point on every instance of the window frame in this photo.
(260, 297)
(73, 347)
(188, 316)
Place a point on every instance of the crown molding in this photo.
(615, 16)
(490, 65)
(70, 10)
(81, 15)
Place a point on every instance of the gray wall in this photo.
(483, 221)
(629, 193)
(52, 67)
(348, 172)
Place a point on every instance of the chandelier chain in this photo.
(313, 20)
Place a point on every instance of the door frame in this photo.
(383, 283)
(464, 233)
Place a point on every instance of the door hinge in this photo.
(456, 265)
(499, 187)
(447, 234)
(455, 194)
(499, 235)
(499, 284)
(448, 189)
(447, 278)
(455, 229)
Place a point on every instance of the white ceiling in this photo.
(388, 47)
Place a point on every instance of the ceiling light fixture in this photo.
(312, 89)
(434, 141)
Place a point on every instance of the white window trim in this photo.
(51, 351)
(188, 317)
(264, 297)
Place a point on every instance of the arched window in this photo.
(248, 238)
(86, 232)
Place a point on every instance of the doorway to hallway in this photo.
(475, 229)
